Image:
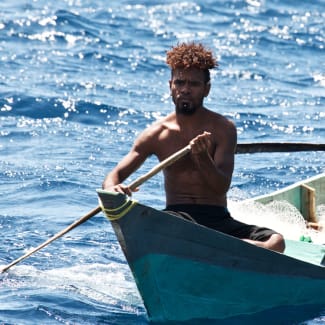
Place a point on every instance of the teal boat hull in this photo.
(187, 273)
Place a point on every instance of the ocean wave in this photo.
(80, 79)
(69, 109)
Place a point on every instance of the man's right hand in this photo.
(201, 143)
(121, 188)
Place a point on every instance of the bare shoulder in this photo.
(222, 121)
(149, 137)
(154, 130)
(223, 130)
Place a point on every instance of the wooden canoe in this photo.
(187, 273)
(305, 196)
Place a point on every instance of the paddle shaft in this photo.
(241, 148)
(278, 147)
(165, 163)
(50, 240)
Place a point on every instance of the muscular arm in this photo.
(129, 164)
(216, 170)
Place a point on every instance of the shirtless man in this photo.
(197, 183)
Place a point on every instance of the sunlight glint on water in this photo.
(80, 79)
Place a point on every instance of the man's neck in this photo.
(190, 119)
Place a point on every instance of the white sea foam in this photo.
(278, 215)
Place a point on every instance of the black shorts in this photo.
(219, 218)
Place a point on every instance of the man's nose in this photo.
(186, 87)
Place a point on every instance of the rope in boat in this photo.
(113, 214)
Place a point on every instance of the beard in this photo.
(185, 107)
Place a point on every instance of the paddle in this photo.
(241, 148)
(278, 147)
(58, 235)
(165, 163)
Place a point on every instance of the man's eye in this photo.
(179, 82)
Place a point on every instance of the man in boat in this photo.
(196, 184)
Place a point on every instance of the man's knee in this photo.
(277, 243)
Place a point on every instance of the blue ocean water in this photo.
(80, 79)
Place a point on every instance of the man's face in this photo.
(188, 89)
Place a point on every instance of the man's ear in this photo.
(207, 88)
(170, 88)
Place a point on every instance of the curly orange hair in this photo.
(190, 55)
